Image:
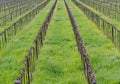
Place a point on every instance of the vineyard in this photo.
(59, 42)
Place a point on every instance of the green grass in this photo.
(112, 21)
(104, 57)
(13, 54)
(59, 61)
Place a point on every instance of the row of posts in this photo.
(15, 13)
(81, 48)
(26, 74)
(109, 8)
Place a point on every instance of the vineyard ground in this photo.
(59, 61)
